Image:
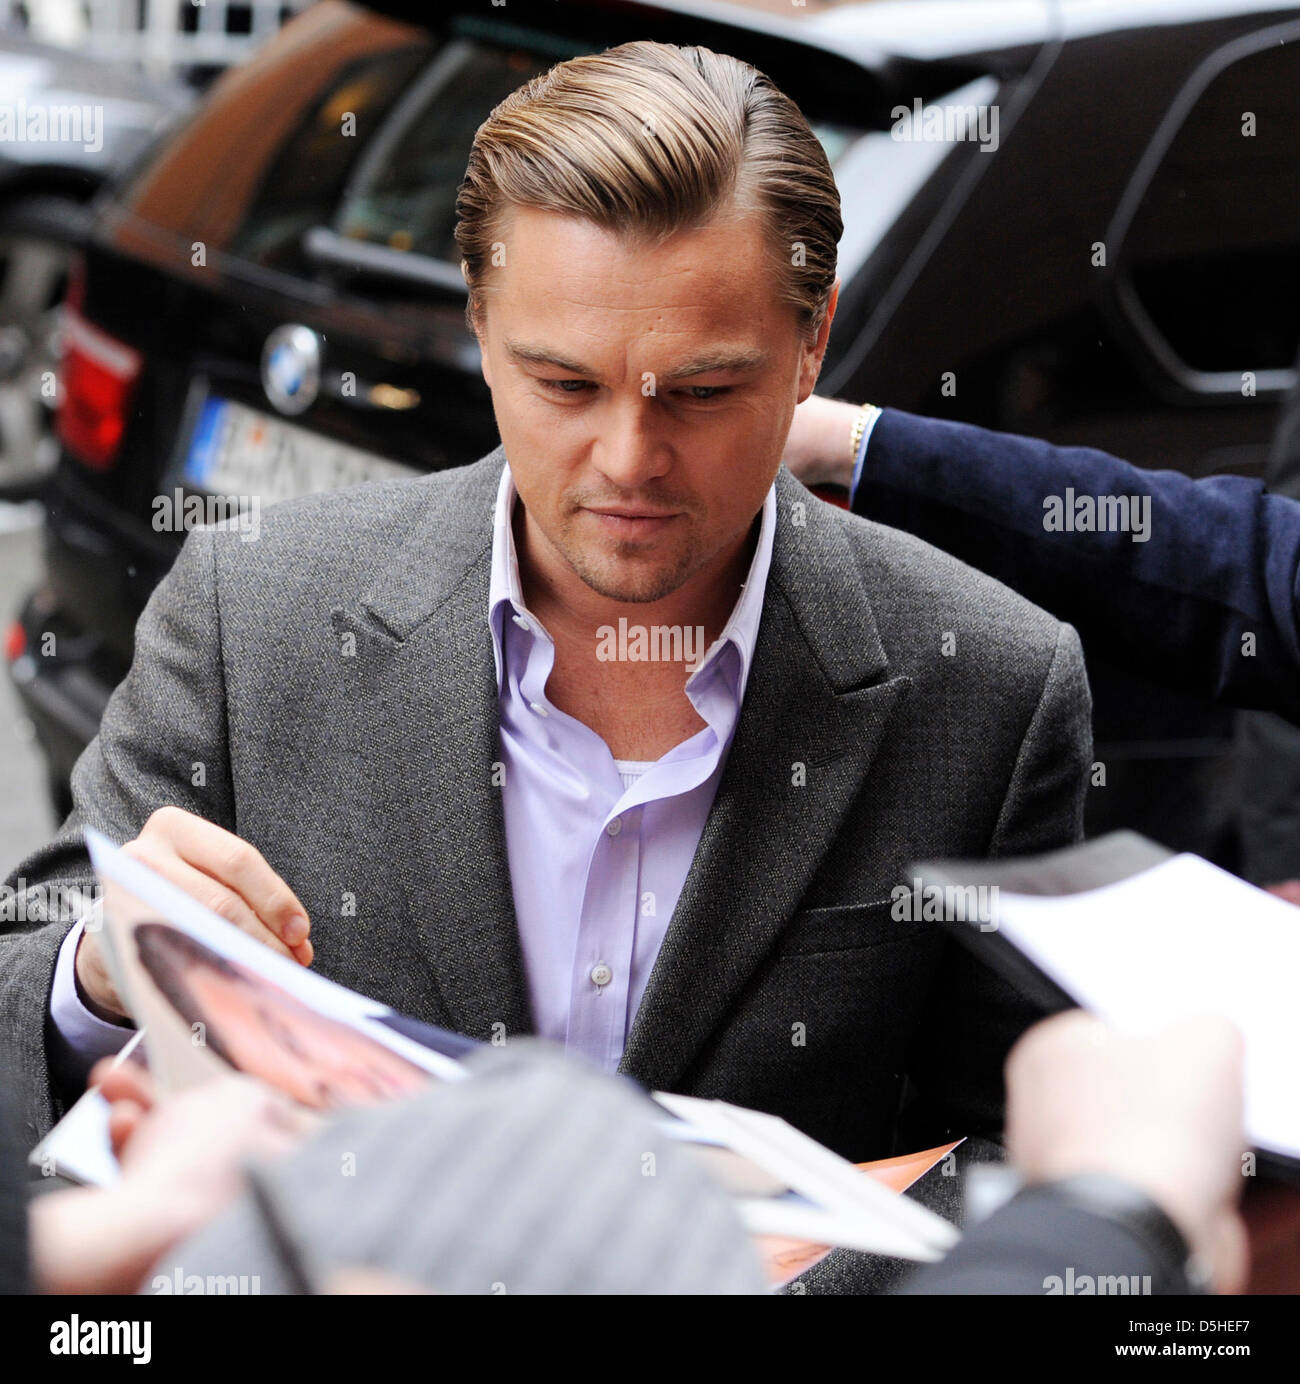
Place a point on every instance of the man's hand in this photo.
(817, 450)
(221, 871)
(1164, 1113)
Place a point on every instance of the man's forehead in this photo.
(570, 292)
(554, 261)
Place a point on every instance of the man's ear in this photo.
(480, 333)
(810, 364)
(474, 316)
(483, 358)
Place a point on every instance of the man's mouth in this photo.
(633, 523)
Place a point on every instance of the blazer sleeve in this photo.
(1037, 1244)
(162, 740)
(955, 1066)
(1207, 603)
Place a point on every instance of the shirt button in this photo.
(615, 826)
(521, 622)
(539, 708)
(601, 975)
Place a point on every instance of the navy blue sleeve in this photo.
(1206, 603)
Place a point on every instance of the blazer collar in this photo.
(450, 537)
(811, 564)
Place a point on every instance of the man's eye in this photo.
(702, 393)
(567, 386)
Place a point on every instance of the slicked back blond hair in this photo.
(647, 139)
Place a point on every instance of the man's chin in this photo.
(630, 581)
(631, 593)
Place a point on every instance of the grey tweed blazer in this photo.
(900, 706)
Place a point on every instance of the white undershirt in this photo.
(629, 770)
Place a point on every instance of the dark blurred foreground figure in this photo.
(541, 1175)
(13, 1203)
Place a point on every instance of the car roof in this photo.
(874, 32)
(933, 30)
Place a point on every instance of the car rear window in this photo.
(363, 126)
(404, 192)
(269, 151)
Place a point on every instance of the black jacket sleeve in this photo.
(1038, 1244)
(13, 1199)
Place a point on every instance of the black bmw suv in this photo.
(1102, 248)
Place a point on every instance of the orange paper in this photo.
(785, 1260)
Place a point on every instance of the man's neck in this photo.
(640, 709)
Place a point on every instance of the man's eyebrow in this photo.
(738, 358)
(543, 355)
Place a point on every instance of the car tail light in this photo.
(15, 642)
(99, 376)
(833, 495)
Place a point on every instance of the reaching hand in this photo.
(1162, 1112)
(182, 1159)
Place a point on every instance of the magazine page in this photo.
(211, 998)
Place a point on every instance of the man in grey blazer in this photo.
(415, 711)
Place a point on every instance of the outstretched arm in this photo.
(1197, 590)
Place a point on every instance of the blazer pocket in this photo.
(845, 927)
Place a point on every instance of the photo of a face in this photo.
(262, 1030)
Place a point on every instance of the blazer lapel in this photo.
(817, 696)
(434, 729)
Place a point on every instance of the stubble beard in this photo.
(616, 574)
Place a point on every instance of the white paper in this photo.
(1180, 939)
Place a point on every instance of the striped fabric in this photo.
(539, 1175)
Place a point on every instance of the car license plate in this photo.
(237, 451)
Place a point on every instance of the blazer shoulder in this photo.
(912, 582)
(358, 528)
(379, 503)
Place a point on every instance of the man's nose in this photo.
(631, 448)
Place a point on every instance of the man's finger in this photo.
(123, 1081)
(205, 889)
(238, 865)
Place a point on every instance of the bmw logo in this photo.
(291, 368)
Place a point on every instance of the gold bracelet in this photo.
(864, 415)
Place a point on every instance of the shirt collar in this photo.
(505, 590)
